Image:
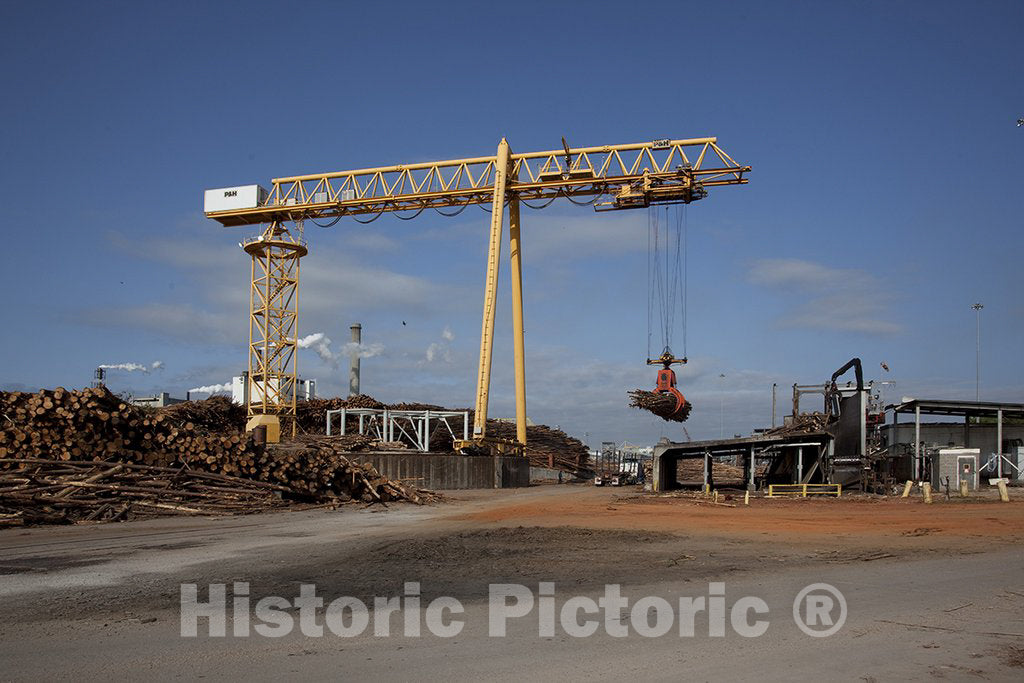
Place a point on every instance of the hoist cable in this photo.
(667, 275)
(650, 287)
(686, 273)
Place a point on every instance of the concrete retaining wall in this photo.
(443, 472)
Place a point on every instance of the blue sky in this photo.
(885, 196)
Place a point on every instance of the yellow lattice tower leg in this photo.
(273, 322)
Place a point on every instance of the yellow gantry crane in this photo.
(609, 177)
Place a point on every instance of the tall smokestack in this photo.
(353, 371)
(98, 377)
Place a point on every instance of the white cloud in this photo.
(173, 321)
(840, 299)
(579, 237)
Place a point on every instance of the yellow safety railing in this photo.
(804, 490)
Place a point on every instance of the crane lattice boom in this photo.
(633, 175)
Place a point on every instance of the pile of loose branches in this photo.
(805, 423)
(42, 491)
(316, 466)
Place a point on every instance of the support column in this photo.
(917, 443)
(748, 469)
(999, 443)
(799, 465)
(483, 384)
(516, 267)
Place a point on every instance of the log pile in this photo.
(43, 491)
(547, 447)
(317, 466)
(662, 405)
(94, 424)
(215, 414)
(75, 429)
(805, 423)
(692, 469)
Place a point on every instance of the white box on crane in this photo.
(229, 198)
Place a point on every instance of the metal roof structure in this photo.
(957, 408)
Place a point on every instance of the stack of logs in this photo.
(692, 469)
(662, 405)
(94, 424)
(547, 447)
(82, 428)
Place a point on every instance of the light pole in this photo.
(977, 354)
(721, 407)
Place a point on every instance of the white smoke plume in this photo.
(365, 350)
(134, 367)
(127, 367)
(321, 343)
(441, 350)
(211, 389)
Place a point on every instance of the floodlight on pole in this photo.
(721, 408)
(977, 354)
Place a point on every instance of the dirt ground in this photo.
(92, 588)
(854, 520)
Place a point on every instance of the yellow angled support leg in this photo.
(483, 383)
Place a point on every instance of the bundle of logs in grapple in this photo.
(95, 429)
(662, 405)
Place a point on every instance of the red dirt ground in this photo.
(852, 520)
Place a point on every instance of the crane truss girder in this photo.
(661, 171)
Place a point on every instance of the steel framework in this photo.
(409, 426)
(273, 321)
(628, 176)
(633, 175)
